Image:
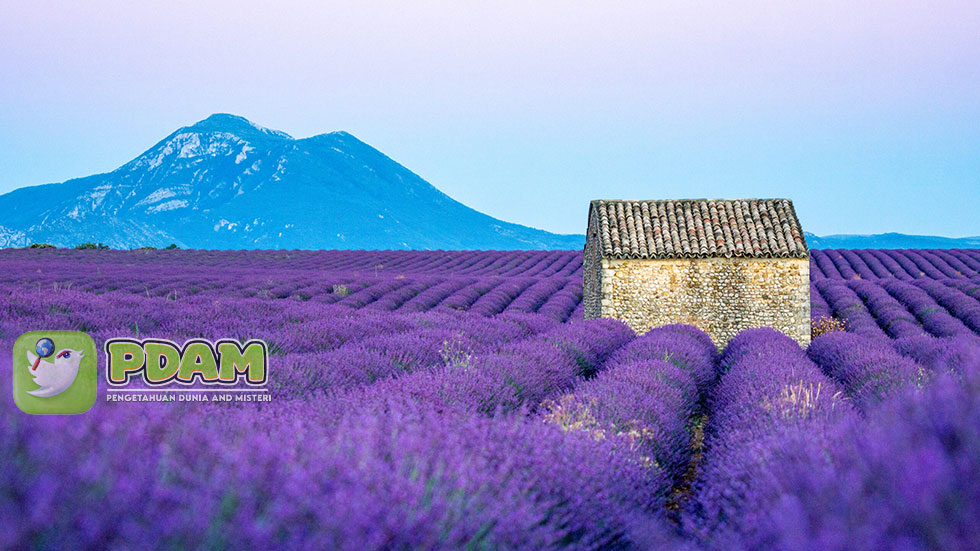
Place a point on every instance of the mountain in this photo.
(891, 241)
(226, 183)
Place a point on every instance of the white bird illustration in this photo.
(54, 377)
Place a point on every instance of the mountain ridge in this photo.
(227, 183)
(890, 240)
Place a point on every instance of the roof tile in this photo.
(699, 228)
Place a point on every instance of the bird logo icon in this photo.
(54, 377)
(55, 372)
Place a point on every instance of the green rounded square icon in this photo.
(55, 372)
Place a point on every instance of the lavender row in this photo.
(831, 263)
(869, 370)
(305, 473)
(289, 476)
(908, 312)
(898, 309)
(889, 263)
(684, 346)
(790, 466)
(649, 392)
(312, 347)
(906, 477)
(515, 375)
(891, 315)
(383, 263)
(941, 355)
(846, 305)
(955, 301)
(556, 297)
(933, 317)
(770, 401)
(819, 309)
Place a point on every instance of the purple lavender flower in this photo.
(869, 370)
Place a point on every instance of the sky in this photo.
(866, 114)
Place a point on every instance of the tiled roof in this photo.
(699, 228)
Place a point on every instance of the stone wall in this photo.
(721, 296)
(592, 272)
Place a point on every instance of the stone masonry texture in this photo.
(721, 296)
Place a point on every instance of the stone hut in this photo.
(723, 265)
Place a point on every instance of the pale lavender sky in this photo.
(867, 114)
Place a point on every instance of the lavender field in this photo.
(458, 400)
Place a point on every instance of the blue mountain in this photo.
(226, 183)
(891, 241)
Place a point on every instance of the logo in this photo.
(160, 363)
(54, 372)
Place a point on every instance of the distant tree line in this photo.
(96, 246)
